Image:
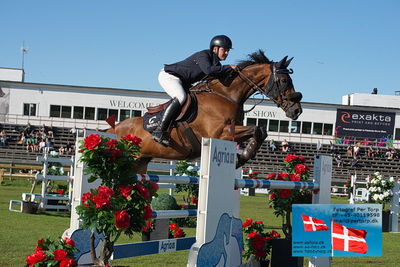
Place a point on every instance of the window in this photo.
(101, 114)
(262, 122)
(295, 126)
(78, 113)
(55, 111)
(317, 129)
(273, 125)
(136, 113)
(113, 112)
(397, 134)
(251, 121)
(284, 126)
(66, 112)
(89, 113)
(328, 129)
(29, 109)
(306, 129)
(124, 114)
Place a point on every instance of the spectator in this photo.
(61, 150)
(21, 139)
(50, 131)
(285, 145)
(370, 152)
(28, 129)
(42, 145)
(339, 161)
(73, 131)
(332, 148)
(49, 146)
(356, 151)
(3, 138)
(272, 145)
(349, 151)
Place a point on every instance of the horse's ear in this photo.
(281, 64)
(288, 62)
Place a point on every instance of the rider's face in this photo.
(221, 52)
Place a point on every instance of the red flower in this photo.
(259, 222)
(92, 141)
(122, 219)
(36, 257)
(69, 241)
(60, 254)
(134, 139)
(39, 244)
(290, 158)
(284, 176)
(179, 233)
(284, 193)
(111, 143)
(271, 176)
(115, 153)
(260, 254)
(247, 223)
(68, 262)
(252, 235)
(173, 226)
(272, 196)
(258, 242)
(294, 177)
(301, 169)
(148, 212)
(195, 200)
(275, 234)
(106, 191)
(143, 191)
(125, 190)
(102, 201)
(60, 191)
(86, 196)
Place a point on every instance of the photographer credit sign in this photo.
(369, 124)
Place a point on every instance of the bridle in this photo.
(272, 88)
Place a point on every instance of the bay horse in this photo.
(220, 111)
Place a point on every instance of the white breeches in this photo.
(172, 86)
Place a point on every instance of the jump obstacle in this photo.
(219, 239)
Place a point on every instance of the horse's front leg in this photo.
(255, 136)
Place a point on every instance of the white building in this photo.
(367, 116)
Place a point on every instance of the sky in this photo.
(339, 47)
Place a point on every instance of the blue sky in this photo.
(339, 47)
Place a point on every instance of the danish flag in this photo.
(349, 239)
(312, 224)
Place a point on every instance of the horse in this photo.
(220, 112)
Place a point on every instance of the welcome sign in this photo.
(369, 124)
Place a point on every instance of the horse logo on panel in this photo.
(210, 253)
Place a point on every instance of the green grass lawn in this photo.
(19, 233)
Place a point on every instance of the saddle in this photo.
(152, 118)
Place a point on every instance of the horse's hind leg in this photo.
(254, 143)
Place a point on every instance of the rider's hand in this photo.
(234, 67)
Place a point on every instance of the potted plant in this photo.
(52, 253)
(257, 242)
(281, 201)
(119, 205)
(163, 201)
(380, 191)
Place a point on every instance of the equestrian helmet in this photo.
(221, 41)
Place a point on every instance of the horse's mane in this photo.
(257, 57)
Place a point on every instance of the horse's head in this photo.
(280, 89)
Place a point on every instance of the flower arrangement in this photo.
(175, 231)
(251, 174)
(380, 188)
(281, 200)
(148, 227)
(257, 241)
(119, 205)
(53, 253)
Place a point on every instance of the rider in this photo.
(177, 78)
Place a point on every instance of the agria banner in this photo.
(368, 124)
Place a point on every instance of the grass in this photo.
(19, 233)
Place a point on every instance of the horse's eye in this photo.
(283, 80)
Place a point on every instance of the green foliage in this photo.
(164, 202)
(183, 168)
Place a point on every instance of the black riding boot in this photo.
(160, 134)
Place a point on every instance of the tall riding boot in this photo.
(160, 134)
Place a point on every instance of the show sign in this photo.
(369, 124)
(337, 230)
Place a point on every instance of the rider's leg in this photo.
(173, 86)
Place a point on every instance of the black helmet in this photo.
(222, 41)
